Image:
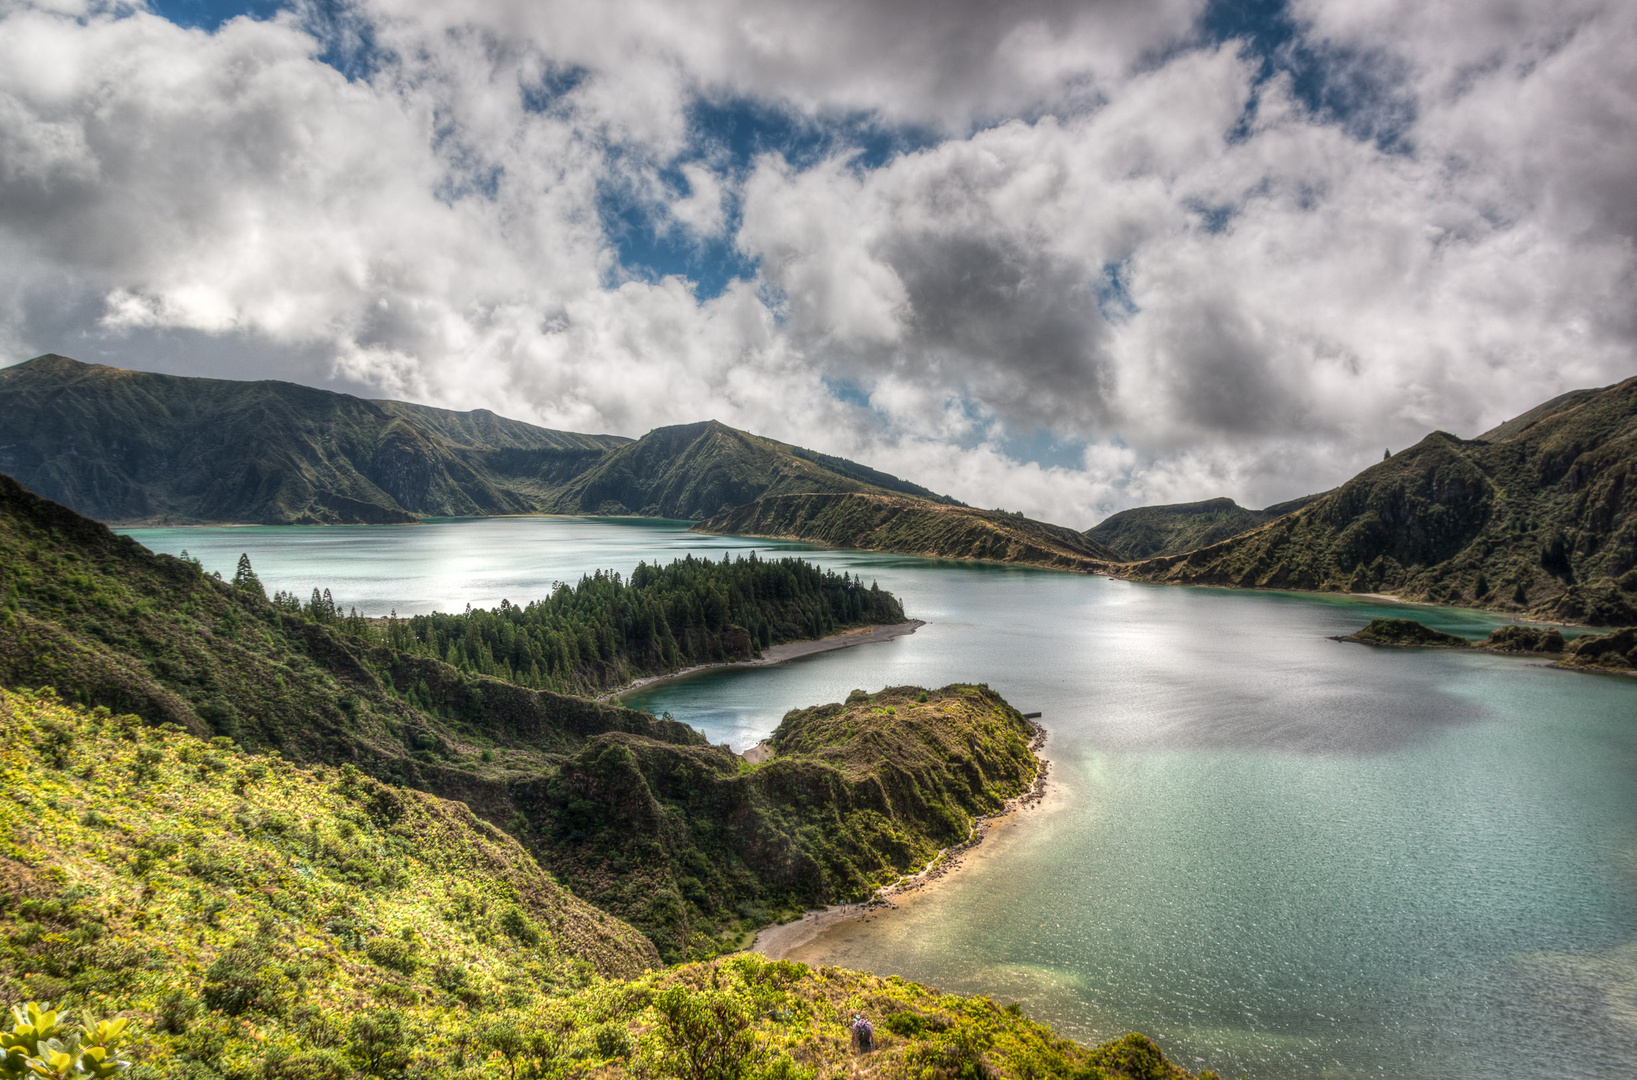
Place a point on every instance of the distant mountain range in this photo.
(134, 447)
(1536, 516)
(1146, 531)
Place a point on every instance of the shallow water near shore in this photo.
(1278, 854)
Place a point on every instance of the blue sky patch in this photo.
(1045, 448)
(1362, 92)
(211, 14)
(727, 136)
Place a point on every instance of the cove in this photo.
(1279, 855)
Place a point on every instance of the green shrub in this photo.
(306, 1065)
(234, 982)
(706, 1035)
(519, 926)
(146, 765)
(393, 954)
(56, 742)
(176, 1012)
(377, 1043)
(612, 1040)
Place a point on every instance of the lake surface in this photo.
(1280, 855)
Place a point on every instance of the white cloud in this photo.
(1212, 301)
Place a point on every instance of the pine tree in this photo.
(245, 579)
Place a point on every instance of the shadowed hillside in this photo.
(698, 470)
(1539, 518)
(134, 446)
(1146, 531)
(870, 522)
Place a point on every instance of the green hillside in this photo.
(256, 920)
(874, 522)
(1146, 531)
(641, 814)
(687, 841)
(1540, 519)
(134, 446)
(693, 471)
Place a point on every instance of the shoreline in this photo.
(779, 654)
(778, 941)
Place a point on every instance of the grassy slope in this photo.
(641, 813)
(1147, 531)
(854, 796)
(1542, 521)
(262, 921)
(137, 446)
(697, 470)
(874, 522)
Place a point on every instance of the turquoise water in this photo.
(1280, 855)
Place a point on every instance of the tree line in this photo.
(607, 630)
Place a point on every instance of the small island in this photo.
(1612, 652)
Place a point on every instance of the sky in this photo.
(1056, 256)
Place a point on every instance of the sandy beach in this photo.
(801, 939)
(779, 654)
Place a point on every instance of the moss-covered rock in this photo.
(1518, 638)
(1407, 632)
(1611, 652)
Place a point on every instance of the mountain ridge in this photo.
(1146, 531)
(1540, 519)
(135, 447)
(879, 522)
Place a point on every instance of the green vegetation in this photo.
(135, 446)
(1539, 517)
(697, 848)
(638, 814)
(109, 623)
(44, 1043)
(1605, 652)
(1608, 652)
(1147, 531)
(697, 470)
(605, 631)
(870, 522)
(1407, 632)
(1535, 639)
(295, 924)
